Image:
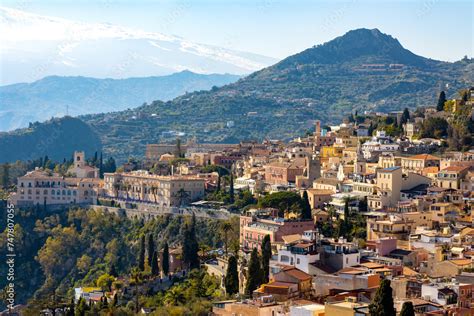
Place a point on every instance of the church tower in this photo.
(79, 159)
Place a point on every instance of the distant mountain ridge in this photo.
(361, 70)
(56, 96)
(36, 46)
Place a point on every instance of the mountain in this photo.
(56, 138)
(361, 70)
(54, 96)
(36, 46)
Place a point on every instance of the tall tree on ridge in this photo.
(232, 277)
(266, 256)
(141, 254)
(165, 259)
(150, 248)
(441, 101)
(306, 211)
(254, 273)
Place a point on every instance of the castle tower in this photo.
(79, 159)
(317, 128)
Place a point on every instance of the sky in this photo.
(437, 29)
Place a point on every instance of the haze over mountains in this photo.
(36, 46)
(55, 96)
(361, 70)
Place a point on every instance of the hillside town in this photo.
(329, 223)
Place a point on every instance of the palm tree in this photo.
(174, 296)
(226, 228)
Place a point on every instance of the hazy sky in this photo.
(433, 28)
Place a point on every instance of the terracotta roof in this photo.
(423, 157)
(372, 265)
(296, 273)
(461, 262)
(291, 238)
(455, 168)
(320, 191)
(409, 272)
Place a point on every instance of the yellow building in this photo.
(349, 307)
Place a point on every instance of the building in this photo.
(452, 177)
(80, 169)
(141, 186)
(46, 188)
(419, 162)
(284, 172)
(256, 224)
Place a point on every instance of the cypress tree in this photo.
(306, 212)
(232, 277)
(266, 256)
(231, 187)
(190, 245)
(382, 304)
(165, 260)
(141, 254)
(154, 264)
(441, 101)
(101, 166)
(150, 248)
(407, 309)
(254, 273)
(405, 116)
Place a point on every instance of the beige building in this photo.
(140, 186)
(45, 188)
(452, 177)
(418, 162)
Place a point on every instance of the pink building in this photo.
(256, 224)
(382, 246)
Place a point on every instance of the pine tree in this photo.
(382, 304)
(218, 189)
(112, 270)
(407, 309)
(165, 260)
(254, 273)
(266, 256)
(232, 277)
(154, 264)
(141, 254)
(306, 212)
(441, 101)
(150, 248)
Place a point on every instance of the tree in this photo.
(141, 254)
(101, 166)
(382, 304)
(165, 260)
(232, 277)
(284, 201)
(191, 245)
(226, 228)
(266, 256)
(441, 101)
(306, 211)
(405, 116)
(6, 175)
(154, 264)
(231, 188)
(407, 309)
(150, 248)
(105, 281)
(434, 127)
(254, 273)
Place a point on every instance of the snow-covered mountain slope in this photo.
(36, 46)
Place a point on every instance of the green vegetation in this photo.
(284, 201)
(232, 277)
(254, 273)
(266, 256)
(407, 309)
(382, 304)
(63, 249)
(325, 82)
